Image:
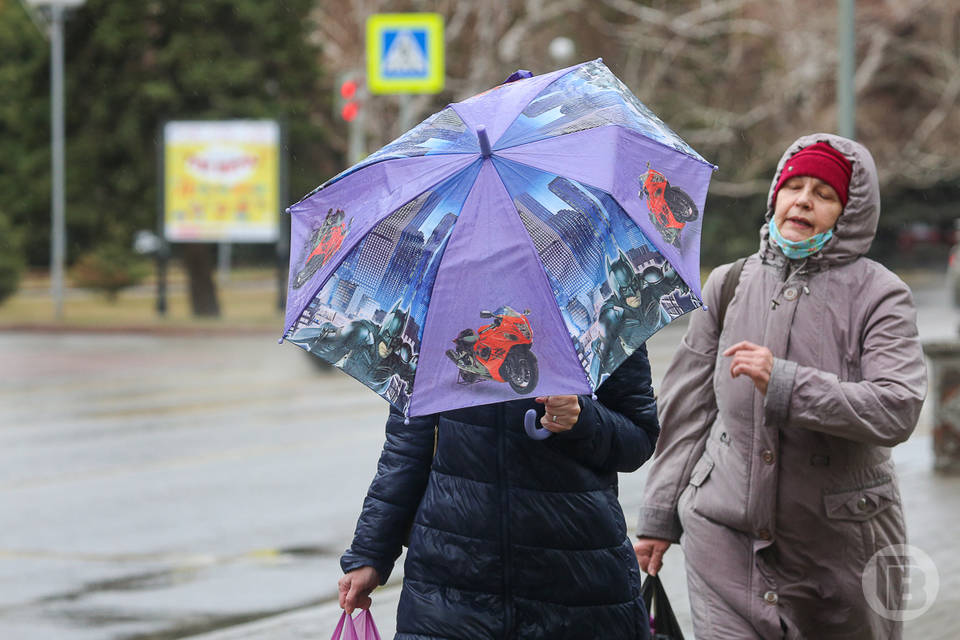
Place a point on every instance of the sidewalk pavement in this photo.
(931, 505)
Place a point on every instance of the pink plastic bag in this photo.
(359, 628)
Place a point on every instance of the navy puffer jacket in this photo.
(511, 537)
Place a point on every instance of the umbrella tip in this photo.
(485, 150)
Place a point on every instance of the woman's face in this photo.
(805, 206)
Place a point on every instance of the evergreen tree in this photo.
(131, 66)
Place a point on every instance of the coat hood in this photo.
(857, 225)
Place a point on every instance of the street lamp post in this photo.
(846, 69)
(58, 234)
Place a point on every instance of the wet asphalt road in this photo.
(157, 487)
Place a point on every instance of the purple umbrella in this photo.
(523, 242)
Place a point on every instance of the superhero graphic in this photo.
(633, 311)
(670, 207)
(498, 351)
(323, 243)
(377, 355)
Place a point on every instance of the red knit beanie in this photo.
(821, 161)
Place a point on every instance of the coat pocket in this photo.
(860, 503)
(701, 470)
(858, 517)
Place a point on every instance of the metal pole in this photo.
(846, 108)
(224, 250)
(163, 251)
(283, 233)
(58, 227)
(356, 149)
(406, 113)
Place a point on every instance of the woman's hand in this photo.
(355, 588)
(562, 412)
(753, 361)
(650, 554)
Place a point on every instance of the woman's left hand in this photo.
(751, 360)
(562, 412)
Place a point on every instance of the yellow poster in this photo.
(221, 181)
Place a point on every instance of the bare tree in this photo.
(738, 79)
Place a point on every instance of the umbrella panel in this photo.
(493, 330)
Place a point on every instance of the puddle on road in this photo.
(134, 624)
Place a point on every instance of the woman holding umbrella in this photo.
(510, 537)
(778, 418)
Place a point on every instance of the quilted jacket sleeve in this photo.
(393, 496)
(618, 430)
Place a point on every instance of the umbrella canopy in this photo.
(523, 242)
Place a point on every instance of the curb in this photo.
(142, 330)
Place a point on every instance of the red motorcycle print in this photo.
(326, 241)
(670, 207)
(498, 351)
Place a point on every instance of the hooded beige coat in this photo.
(783, 499)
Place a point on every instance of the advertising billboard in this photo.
(221, 181)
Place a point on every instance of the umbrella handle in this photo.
(530, 426)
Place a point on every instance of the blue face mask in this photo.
(801, 249)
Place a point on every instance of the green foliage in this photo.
(12, 259)
(131, 66)
(25, 128)
(109, 268)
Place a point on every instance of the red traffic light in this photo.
(348, 90)
(349, 111)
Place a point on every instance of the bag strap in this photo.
(727, 289)
(370, 631)
(345, 628)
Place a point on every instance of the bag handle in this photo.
(370, 631)
(346, 628)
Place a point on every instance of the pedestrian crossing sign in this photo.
(405, 53)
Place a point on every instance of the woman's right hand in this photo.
(355, 588)
(650, 553)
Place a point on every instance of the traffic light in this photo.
(350, 97)
(349, 104)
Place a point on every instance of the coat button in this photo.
(764, 534)
(770, 597)
(767, 456)
(791, 293)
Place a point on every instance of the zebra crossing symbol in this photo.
(405, 53)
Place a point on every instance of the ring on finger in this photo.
(554, 418)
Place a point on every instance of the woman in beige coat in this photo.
(774, 459)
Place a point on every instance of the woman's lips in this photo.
(800, 222)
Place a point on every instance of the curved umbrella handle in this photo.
(530, 426)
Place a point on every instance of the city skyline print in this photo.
(584, 239)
